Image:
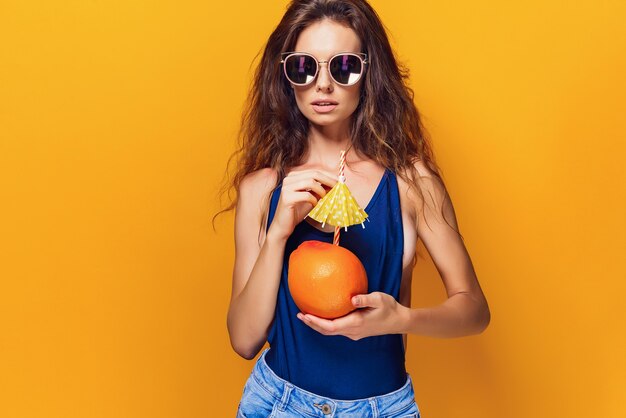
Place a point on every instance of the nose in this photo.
(323, 82)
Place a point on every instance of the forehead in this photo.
(325, 38)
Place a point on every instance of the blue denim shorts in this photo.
(268, 396)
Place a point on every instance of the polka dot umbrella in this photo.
(338, 207)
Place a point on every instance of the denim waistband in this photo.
(316, 405)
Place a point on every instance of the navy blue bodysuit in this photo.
(335, 366)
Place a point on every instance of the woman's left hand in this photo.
(381, 314)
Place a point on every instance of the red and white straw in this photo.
(342, 163)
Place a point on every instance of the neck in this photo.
(326, 144)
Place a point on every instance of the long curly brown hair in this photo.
(386, 126)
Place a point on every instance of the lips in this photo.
(324, 102)
(324, 105)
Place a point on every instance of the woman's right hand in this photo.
(300, 192)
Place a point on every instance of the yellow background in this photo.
(116, 121)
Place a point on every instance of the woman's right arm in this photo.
(256, 274)
(257, 271)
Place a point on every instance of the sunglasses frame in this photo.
(360, 55)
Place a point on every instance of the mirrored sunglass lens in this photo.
(345, 69)
(300, 69)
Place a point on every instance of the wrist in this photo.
(406, 316)
(275, 237)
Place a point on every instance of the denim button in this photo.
(326, 409)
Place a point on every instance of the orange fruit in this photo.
(324, 277)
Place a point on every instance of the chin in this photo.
(327, 119)
(324, 120)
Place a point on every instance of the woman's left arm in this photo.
(464, 312)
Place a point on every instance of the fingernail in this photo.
(356, 301)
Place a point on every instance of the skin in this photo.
(258, 261)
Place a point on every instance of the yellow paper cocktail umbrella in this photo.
(338, 207)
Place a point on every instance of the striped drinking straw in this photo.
(342, 163)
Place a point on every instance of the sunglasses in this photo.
(345, 68)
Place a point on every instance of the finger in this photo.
(325, 177)
(305, 197)
(311, 185)
(349, 321)
(305, 183)
(310, 324)
(321, 176)
(373, 300)
(321, 325)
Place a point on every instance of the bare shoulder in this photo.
(252, 201)
(425, 173)
(429, 183)
(254, 188)
(258, 183)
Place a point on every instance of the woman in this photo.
(328, 81)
